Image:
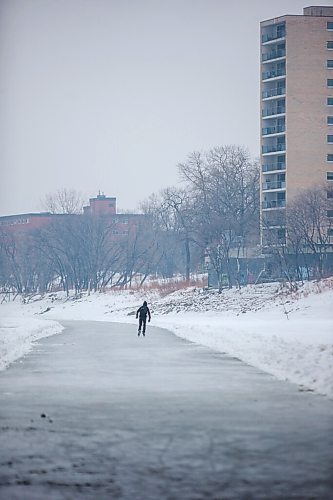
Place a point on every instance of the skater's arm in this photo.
(149, 316)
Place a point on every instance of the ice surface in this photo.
(289, 335)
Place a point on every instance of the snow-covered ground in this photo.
(289, 335)
(18, 334)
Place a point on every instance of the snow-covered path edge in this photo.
(17, 336)
(310, 366)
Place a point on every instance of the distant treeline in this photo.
(214, 218)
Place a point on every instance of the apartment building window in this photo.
(329, 64)
(330, 139)
(281, 30)
(330, 25)
(281, 234)
(329, 195)
(330, 101)
(329, 176)
(330, 213)
(330, 45)
(330, 232)
(329, 157)
(329, 82)
(330, 120)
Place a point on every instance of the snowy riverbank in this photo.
(289, 335)
(18, 334)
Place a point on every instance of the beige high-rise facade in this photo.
(296, 111)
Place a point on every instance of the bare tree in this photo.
(174, 225)
(22, 267)
(81, 252)
(63, 201)
(10, 263)
(139, 251)
(225, 186)
(161, 230)
(309, 226)
(300, 242)
(178, 204)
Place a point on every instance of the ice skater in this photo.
(142, 313)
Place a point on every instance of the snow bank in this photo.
(287, 351)
(17, 336)
(289, 335)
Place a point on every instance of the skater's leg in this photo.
(140, 325)
(144, 326)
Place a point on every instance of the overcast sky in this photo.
(111, 94)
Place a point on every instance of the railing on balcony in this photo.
(279, 110)
(273, 92)
(273, 166)
(273, 204)
(273, 185)
(270, 224)
(274, 73)
(274, 54)
(273, 36)
(273, 130)
(274, 148)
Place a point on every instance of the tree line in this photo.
(306, 251)
(213, 216)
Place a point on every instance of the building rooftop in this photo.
(318, 11)
(312, 11)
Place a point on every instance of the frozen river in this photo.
(98, 413)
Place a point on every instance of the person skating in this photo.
(142, 313)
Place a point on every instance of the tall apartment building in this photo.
(296, 111)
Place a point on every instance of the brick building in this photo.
(100, 206)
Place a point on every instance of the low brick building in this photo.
(100, 206)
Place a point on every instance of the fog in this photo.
(110, 95)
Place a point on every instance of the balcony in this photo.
(273, 204)
(273, 149)
(271, 37)
(279, 110)
(271, 167)
(274, 54)
(272, 224)
(266, 186)
(274, 73)
(266, 94)
(279, 129)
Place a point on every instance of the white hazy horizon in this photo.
(111, 95)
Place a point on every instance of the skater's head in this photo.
(145, 303)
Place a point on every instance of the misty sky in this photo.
(111, 94)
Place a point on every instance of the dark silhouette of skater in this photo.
(142, 313)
